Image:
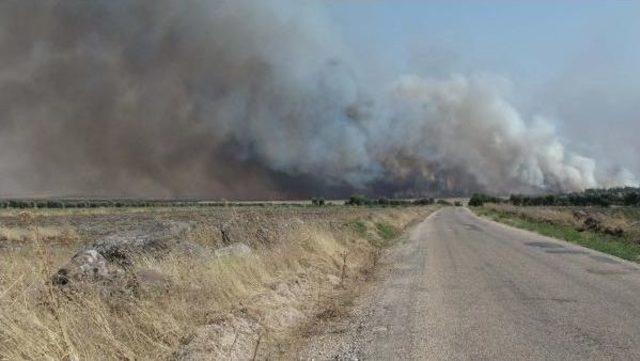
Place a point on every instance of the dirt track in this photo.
(464, 288)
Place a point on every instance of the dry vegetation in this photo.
(618, 221)
(613, 230)
(47, 234)
(234, 286)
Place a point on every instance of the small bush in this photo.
(424, 201)
(359, 200)
(632, 199)
(479, 199)
(387, 231)
(360, 228)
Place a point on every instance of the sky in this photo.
(574, 62)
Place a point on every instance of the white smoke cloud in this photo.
(245, 98)
(465, 123)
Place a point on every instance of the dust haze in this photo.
(248, 99)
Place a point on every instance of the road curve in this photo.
(465, 288)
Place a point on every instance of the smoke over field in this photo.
(246, 99)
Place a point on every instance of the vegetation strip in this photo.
(621, 196)
(618, 246)
(355, 200)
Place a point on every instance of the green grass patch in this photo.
(387, 231)
(612, 245)
(359, 227)
(381, 236)
(387, 234)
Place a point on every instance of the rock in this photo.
(114, 255)
(116, 249)
(615, 231)
(578, 214)
(591, 224)
(88, 265)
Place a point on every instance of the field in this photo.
(186, 283)
(614, 230)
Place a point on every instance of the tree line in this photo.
(622, 196)
(360, 200)
(355, 200)
(123, 203)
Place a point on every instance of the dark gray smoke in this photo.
(243, 99)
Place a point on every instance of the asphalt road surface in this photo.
(465, 288)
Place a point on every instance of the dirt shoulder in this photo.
(367, 315)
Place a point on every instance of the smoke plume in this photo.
(245, 99)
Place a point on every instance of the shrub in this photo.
(54, 204)
(479, 199)
(386, 231)
(423, 201)
(358, 200)
(632, 199)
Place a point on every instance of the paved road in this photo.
(464, 288)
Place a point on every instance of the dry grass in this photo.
(164, 303)
(46, 233)
(613, 230)
(624, 219)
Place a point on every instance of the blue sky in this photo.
(576, 62)
(521, 39)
